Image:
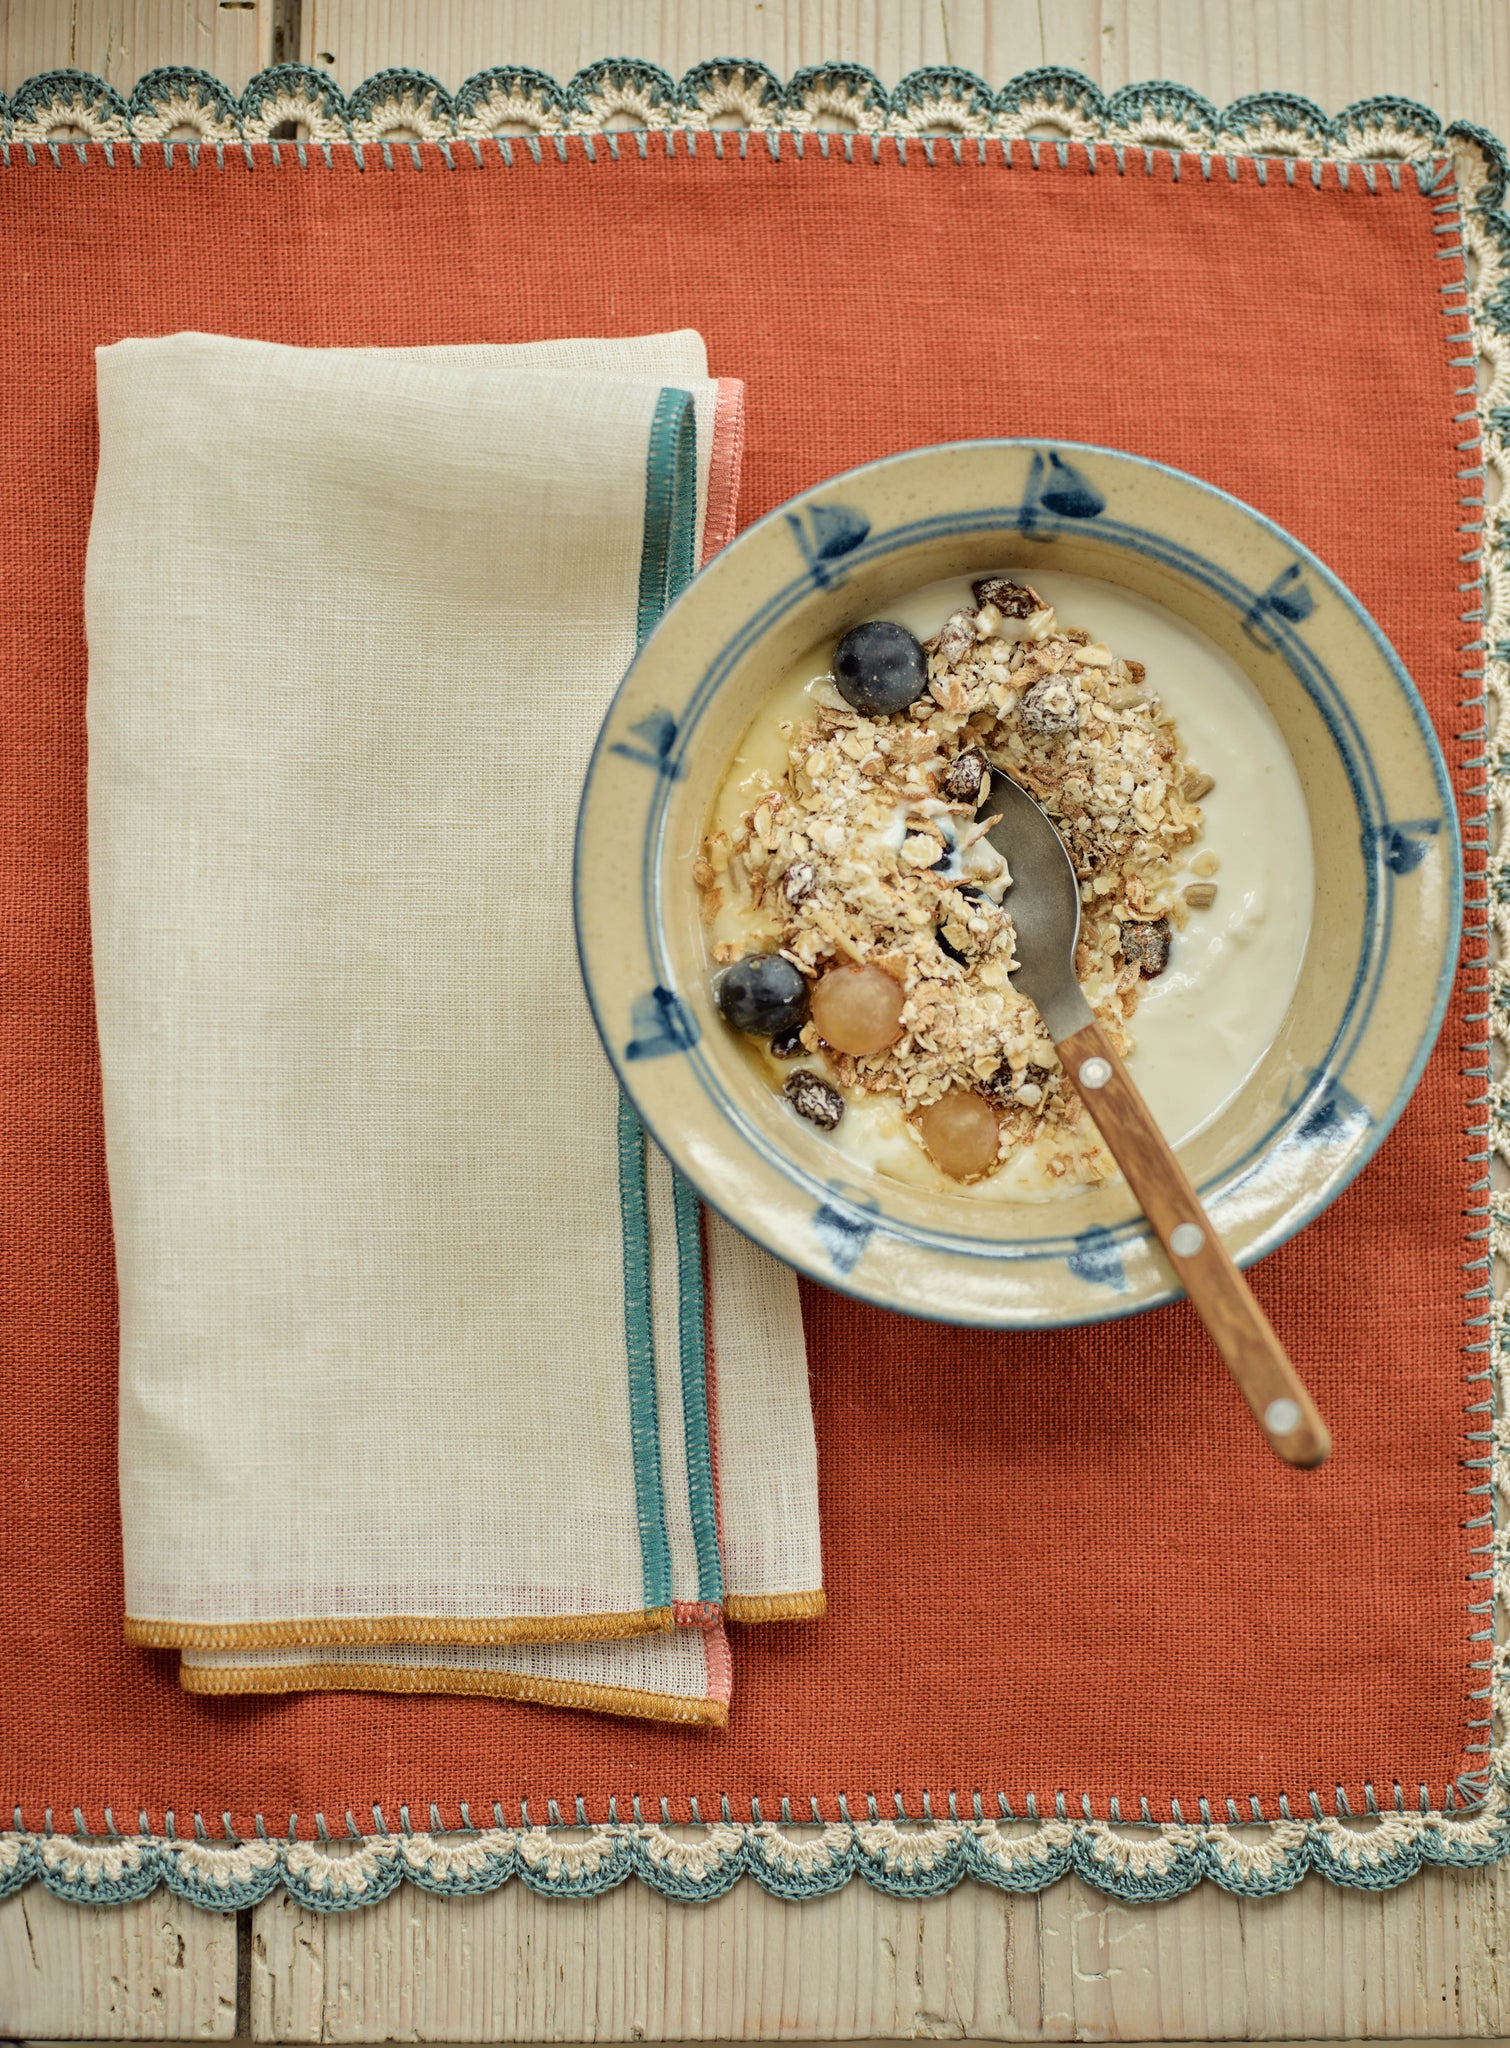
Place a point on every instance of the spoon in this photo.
(1045, 908)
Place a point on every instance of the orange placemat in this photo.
(1064, 1576)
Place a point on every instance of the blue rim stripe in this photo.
(1344, 731)
(1358, 766)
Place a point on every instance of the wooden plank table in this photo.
(1429, 1960)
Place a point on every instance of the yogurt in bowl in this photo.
(1296, 1009)
(844, 839)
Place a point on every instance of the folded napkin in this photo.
(415, 1386)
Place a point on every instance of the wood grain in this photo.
(1235, 1323)
(1454, 55)
(1427, 1961)
(124, 38)
(156, 1971)
(1456, 58)
(1317, 1963)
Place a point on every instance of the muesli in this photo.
(880, 946)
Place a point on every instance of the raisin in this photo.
(811, 1096)
(1146, 946)
(955, 639)
(786, 1045)
(967, 778)
(1051, 706)
(1004, 1084)
(797, 882)
(1012, 600)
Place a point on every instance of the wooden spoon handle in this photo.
(1237, 1325)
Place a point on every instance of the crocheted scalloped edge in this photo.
(298, 102)
(906, 1860)
(1143, 1860)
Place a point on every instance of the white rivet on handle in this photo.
(1186, 1239)
(1281, 1417)
(1094, 1073)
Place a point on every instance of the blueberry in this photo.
(787, 1045)
(880, 668)
(763, 993)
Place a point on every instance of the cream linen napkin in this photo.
(389, 1412)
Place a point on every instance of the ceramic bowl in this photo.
(1372, 989)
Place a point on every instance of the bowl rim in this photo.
(1292, 1222)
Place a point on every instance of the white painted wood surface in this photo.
(1453, 54)
(157, 1971)
(120, 39)
(1428, 1961)
(1067, 1965)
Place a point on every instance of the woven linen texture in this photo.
(292, 1045)
(1056, 1562)
(325, 818)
